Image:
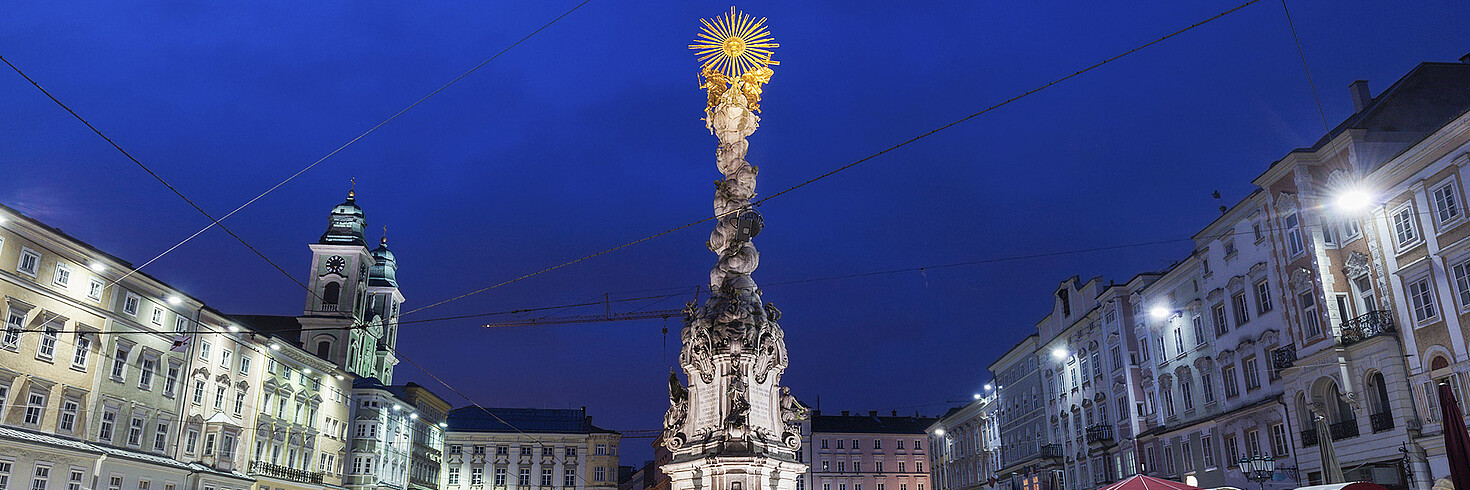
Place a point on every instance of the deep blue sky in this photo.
(588, 136)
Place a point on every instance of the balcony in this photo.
(262, 468)
(1343, 430)
(1309, 438)
(1051, 451)
(1100, 434)
(329, 306)
(1367, 326)
(1381, 421)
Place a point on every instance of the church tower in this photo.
(338, 323)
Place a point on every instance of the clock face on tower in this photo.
(335, 264)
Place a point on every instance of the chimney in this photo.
(895, 413)
(872, 413)
(844, 413)
(1465, 59)
(1361, 95)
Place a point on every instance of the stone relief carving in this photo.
(1301, 278)
(1257, 270)
(1356, 265)
(1226, 356)
(1270, 337)
(1286, 202)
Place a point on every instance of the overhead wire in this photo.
(1303, 55)
(838, 169)
(360, 136)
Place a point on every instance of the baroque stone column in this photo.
(733, 427)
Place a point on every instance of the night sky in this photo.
(589, 135)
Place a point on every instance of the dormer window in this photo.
(1062, 296)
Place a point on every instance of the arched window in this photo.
(324, 349)
(1338, 411)
(330, 295)
(1379, 414)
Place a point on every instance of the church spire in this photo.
(346, 222)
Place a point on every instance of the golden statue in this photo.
(735, 52)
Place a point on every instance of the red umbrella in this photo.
(1141, 482)
(1456, 440)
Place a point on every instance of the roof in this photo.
(288, 328)
(527, 420)
(871, 424)
(1427, 97)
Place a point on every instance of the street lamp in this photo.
(1059, 353)
(1352, 200)
(1159, 312)
(1258, 469)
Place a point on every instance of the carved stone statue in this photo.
(792, 413)
(678, 412)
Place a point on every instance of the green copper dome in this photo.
(344, 226)
(385, 267)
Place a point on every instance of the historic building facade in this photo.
(963, 445)
(528, 448)
(853, 451)
(1029, 459)
(117, 380)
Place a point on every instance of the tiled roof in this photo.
(1429, 96)
(528, 420)
(871, 424)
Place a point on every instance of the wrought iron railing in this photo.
(1366, 326)
(329, 305)
(1100, 433)
(1381, 421)
(1282, 358)
(1309, 438)
(1343, 430)
(262, 468)
(1051, 451)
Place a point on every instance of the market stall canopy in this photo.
(1141, 482)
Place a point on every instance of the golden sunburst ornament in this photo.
(734, 44)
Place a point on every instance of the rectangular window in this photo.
(1222, 324)
(191, 441)
(523, 478)
(157, 316)
(1187, 452)
(219, 397)
(569, 478)
(94, 289)
(1199, 330)
(1403, 225)
(1446, 203)
(1117, 354)
(1179, 340)
(40, 477)
(477, 476)
(181, 324)
(1263, 297)
(499, 476)
(198, 392)
(1207, 451)
(1294, 243)
(83, 350)
(1168, 399)
(29, 263)
(545, 477)
(46, 349)
(1421, 296)
(130, 303)
(68, 422)
(224, 358)
(1186, 391)
(239, 402)
(1253, 442)
(35, 405)
(1232, 450)
(13, 326)
(74, 482)
(120, 362)
(244, 364)
(453, 474)
(1143, 348)
(1310, 321)
(171, 379)
(204, 353)
(160, 437)
(1168, 460)
(104, 429)
(1280, 445)
(1207, 385)
(145, 373)
(1252, 377)
(135, 431)
(1242, 309)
